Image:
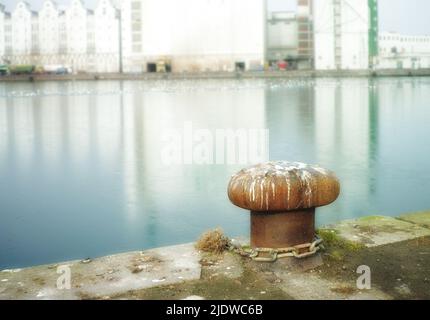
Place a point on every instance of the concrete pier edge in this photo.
(290, 74)
(116, 276)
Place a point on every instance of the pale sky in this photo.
(404, 16)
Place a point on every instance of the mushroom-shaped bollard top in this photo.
(282, 197)
(283, 186)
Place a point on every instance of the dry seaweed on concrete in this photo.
(213, 241)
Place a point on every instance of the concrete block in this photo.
(306, 286)
(419, 218)
(378, 230)
(102, 277)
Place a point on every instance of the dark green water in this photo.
(81, 176)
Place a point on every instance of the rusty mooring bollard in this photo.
(282, 197)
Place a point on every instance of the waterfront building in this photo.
(76, 22)
(23, 21)
(49, 28)
(7, 36)
(2, 32)
(305, 34)
(399, 51)
(193, 35)
(76, 16)
(341, 34)
(204, 35)
(106, 36)
(75, 37)
(92, 37)
(282, 36)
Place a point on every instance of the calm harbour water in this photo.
(81, 176)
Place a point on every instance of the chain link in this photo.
(299, 252)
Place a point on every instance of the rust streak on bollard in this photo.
(282, 198)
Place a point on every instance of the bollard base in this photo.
(282, 229)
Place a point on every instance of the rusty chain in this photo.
(299, 252)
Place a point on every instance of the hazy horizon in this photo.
(409, 17)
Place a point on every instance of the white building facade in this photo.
(398, 51)
(194, 35)
(341, 34)
(106, 36)
(76, 21)
(49, 29)
(75, 37)
(22, 30)
(7, 50)
(2, 32)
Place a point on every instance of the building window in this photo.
(137, 48)
(136, 5)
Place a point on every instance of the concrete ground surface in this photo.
(395, 250)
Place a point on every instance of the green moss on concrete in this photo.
(333, 241)
(337, 247)
(419, 214)
(372, 218)
(421, 218)
(337, 255)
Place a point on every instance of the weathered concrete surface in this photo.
(418, 218)
(378, 230)
(311, 286)
(397, 251)
(224, 276)
(400, 270)
(105, 276)
(229, 266)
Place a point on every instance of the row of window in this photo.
(405, 39)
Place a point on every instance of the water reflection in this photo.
(82, 175)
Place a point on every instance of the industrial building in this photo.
(282, 36)
(326, 35)
(342, 33)
(290, 36)
(193, 35)
(305, 32)
(397, 51)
